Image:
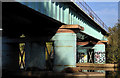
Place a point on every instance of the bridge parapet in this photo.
(84, 6)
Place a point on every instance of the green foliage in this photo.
(113, 47)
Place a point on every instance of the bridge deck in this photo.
(66, 13)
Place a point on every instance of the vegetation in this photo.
(113, 47)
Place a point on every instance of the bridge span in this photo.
(51, 35)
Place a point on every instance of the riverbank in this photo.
(96, 65)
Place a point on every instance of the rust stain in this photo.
(73, 27)
(87, 42)
(63, 46)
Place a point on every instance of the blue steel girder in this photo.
(69, 13)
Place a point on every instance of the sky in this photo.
(106, 11)
(119, 10)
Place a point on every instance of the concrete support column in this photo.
(65, 46)
(65, 50)
(35, 54)
(10, 54)
(99, 53)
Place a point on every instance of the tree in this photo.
(113, 47)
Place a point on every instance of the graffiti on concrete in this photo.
(82, 57)
(99, 57)
(22, 55)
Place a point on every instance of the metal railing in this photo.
(84, 6)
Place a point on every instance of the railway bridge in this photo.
(51, 35)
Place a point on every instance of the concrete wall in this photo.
(65, 50)
(35, 54)
(0, 54)
(10, 54)
(99, 53)
(84, 59)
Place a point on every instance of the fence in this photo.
(84, 6)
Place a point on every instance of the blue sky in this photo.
(119, 10)
(107, 11)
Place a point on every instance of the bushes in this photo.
(113, 46)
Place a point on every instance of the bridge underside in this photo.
(18, 19)
(39, 29)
